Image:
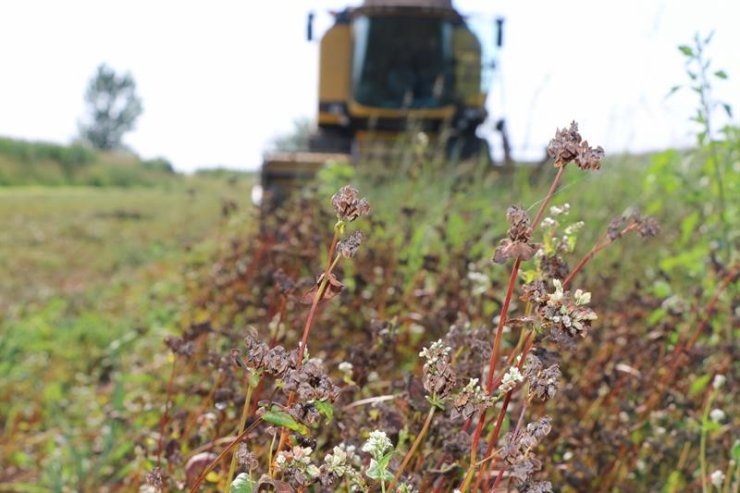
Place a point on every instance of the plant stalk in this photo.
(242, 425)
(414, 446)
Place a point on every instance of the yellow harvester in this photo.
(383, 65)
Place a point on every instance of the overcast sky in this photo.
(221, 79)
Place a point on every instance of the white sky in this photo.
(220, 79)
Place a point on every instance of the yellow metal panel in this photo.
(362, 111)
(330, 118)
(466, 48)
(335, 61)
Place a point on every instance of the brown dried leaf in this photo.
(333, 288)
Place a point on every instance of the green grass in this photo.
(24, 163)
(93, 279)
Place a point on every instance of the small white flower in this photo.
(280, 460)
(377, 443)
(563, 209)
(717, 478)
(302, 454)
(719, 381)
(558, 294)
(549, 222)
(510, 380)
(471, 384)
(582, 297)
(345, 367)
(513, 375)
(574, 228)
(437, 349)
(717, 415)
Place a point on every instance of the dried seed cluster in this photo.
(568, 146)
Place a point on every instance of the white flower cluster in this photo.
(717, 478)
(377, 443)
(511, 379)
(435, 351)
(298, 458)
(343, 462)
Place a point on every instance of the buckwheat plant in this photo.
(439, 381)
(380, 448)
(551, 312)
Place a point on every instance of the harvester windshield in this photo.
(402, 62)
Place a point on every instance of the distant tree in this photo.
(112, 108)
(297, 140)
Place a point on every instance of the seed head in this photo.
(348, 204)
(519, 236)
(568, 146)
(348, 247)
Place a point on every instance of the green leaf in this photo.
(699, 384)
(728, 109)
(689, 225)
(456, 229)
(242, 484)
(736, 451)
(710, 426)
(686, 50)
(673, 91)
(385, 460)
(662, 289)
(675, 483)
(528, 275)
(720, 74)
(656, 316)
(325, 409)
(280, 418)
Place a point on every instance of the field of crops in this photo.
(437, 327)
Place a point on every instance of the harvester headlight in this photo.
(257, 193)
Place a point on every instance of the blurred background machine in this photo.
(388, 67)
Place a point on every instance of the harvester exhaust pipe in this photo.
(309, 27)
(505, 143)
(499, 32)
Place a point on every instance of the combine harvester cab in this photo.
(384, 65)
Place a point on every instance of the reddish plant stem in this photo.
(331, 262)
(526, 347)
(497, 430)
(209, 467)
(414, 446)
(512, 281)
(602, 243)
(494, 358)
(165, 416)
(546, 200)
(319, 294)
(519, 423)
(730, 277)
(501, 323)
(528, 341)
(502, 320)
